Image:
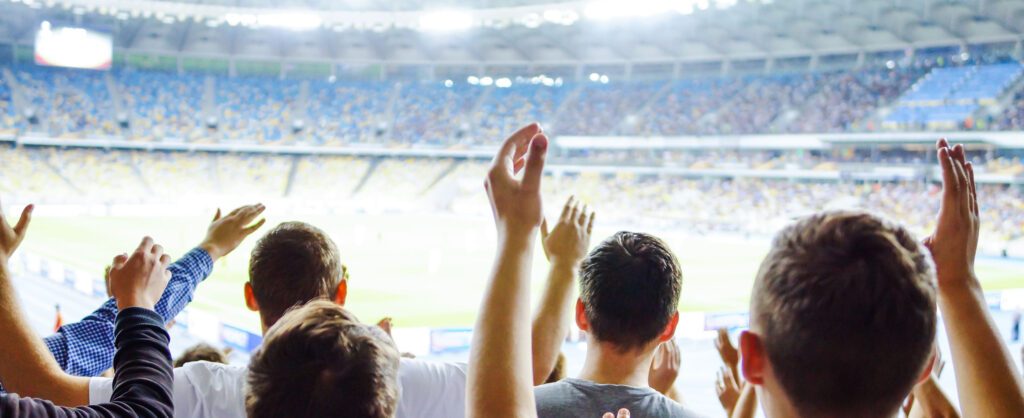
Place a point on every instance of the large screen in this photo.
(73, 47)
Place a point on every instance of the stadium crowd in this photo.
(154, 105)
(843, 321)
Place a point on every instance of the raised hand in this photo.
(730, 356)
(11, 237)
(954, 243)
(225, 234)
(516, 203)
(727, 389)
(665, 366)
(138, 280)
(570, 239)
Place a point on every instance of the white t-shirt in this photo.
(211, 390)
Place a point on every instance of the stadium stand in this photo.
(271, 110)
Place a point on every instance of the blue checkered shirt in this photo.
(86, 347)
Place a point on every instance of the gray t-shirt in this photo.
(582, 398)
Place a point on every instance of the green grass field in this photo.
(425, 270)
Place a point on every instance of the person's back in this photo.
(578, 397)
(629, 292)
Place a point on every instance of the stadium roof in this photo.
(494, 33)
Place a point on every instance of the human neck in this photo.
(606, 365)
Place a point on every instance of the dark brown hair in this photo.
(201, 352)
(845, 302)
(630, 286)
(319, 361)
(292, 264)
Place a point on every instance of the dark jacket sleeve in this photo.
(142, 376)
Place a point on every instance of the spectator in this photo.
(852, 295)
(319, 361)
(201, 352)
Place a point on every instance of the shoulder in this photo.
(431, 389)
(414, 372)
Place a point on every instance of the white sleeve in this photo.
(201, 390)
(102, 388)
(431, 389)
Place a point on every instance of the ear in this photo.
(670, 328)
(753, 358)
(250, 298)
(928, 366)
(581, 316)
(342, 294)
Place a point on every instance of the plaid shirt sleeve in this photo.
(86, 348)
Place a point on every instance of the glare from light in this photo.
(890, 64)
(561, 17)
(473, 80)
(332, 79)
(448, 83)
(503, 83)
(612, 9)
(535, 80)
(604, 79)
(290, 20)
(595, 76)
(964, 56)
(547, 81)
(45, 25)
(486, 81)
(446, 21)
(558, 82)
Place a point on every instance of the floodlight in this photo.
(290, 20)
(473, 80)
(446, 21)
(604, 79)
(448, 83)
(595, 76)
(503, 82)
(486, 81)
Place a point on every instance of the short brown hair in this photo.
(201, 352)
(845, 302)
(292, 264)
(319, 361)
(630, 286)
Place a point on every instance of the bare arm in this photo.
(746, 406)
(28, 368)
(987, 381)
(565, 247)
(500, 381)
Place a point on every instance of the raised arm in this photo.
(565, 246)
(500, 382)
(143, 364)
(987, 381)
(27, 367)
(86, 347)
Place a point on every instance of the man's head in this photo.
(318, 360)
(842, 317)
(629, 292)
(201, 352)
(292, 264)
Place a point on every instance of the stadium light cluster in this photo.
(599, 78)
(506, 82)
